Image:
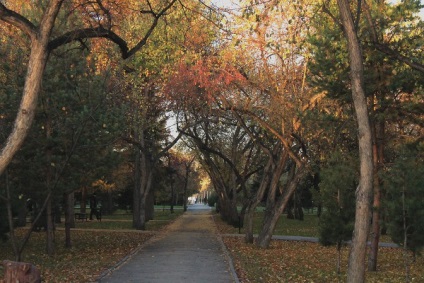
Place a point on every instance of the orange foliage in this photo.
(202, 80)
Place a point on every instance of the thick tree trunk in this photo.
(228, 211)
(356, 268)
(270, 220)
(274, 212)
(36, 65)
(145, 175)
(150, 205)
(25, 115)
(254, 202)
(142, 213)
(248, 225)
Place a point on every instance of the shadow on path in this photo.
(189, 250)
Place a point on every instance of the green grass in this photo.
(119, 221)
(92, 251)
(308, 227)
(291, 227)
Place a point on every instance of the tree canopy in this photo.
(266, 97)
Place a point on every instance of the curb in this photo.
(227, 253)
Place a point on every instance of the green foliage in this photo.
(213, 198)
(337, 193)
(404, 182)
(69, 145)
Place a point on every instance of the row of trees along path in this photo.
(253, 89)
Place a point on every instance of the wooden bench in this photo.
(81, 216)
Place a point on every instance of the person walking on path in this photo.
(189, 250)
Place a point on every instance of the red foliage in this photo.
(204, 80)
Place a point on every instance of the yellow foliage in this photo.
(104, 186)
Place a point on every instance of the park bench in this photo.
(81, 216)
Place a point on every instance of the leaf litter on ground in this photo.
(295, 261)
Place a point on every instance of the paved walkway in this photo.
(189, 250)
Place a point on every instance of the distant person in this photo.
(93, 206)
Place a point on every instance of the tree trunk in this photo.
(185, 197)
(10, 219)
(274, 212)
(268, 227)
(241, 215)
(83, 204)
(187, 175)
(36, 65)
(49, 229)
(22, 213)
(150, 205)
(378, 135)
(356, 267)
(339, 257)
(405, 233)
(254, 202)
(248, 225)
(136, 194)
(228, 211)
(145, 174)
(172, 194)
(69, 217)
(142, 219)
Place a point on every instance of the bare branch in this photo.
(17, 20)
(150, 30)
(99, 32)
(396, 55)
(384, 48)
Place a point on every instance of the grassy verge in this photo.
(124, 221)
(288, 227)
(92, 252)
(290, 261)
(307, 228)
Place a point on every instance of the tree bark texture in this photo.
(36, 65)
(274, 211)
(50, 247)
(356, 266)
(378, 155)
(143, 190)
(256, 199)
(69, 217)
(40, 47)
(20, 272)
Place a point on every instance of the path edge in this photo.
(226, 252)
(155, 237)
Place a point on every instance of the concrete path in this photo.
(189, 250)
